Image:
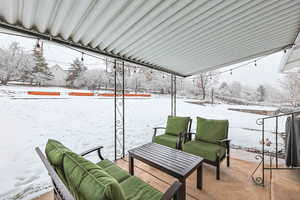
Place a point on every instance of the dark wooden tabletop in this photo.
(175, 162)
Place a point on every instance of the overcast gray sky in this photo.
(266, 71)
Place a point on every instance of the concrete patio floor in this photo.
(235, 183)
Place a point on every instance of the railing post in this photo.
(263, 152)
(115, 108)
(276, 130)
(173, 95)
(119, 110)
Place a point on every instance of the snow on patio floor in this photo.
(83, 123)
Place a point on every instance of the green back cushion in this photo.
(177, 125)
(211, 130)
(88, 181)
(55, 152)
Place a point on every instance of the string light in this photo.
(82, 56)
(104, 59)
(38, 46)
(255, 63)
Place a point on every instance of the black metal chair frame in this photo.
(181, 137)
(61, 192)
(224, 142)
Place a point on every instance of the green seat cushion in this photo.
(177, 125)
(88, 181)
(166, 140)
(136, 189)
(211, 130)
(113, 170)
(205, 150)
(105, 163)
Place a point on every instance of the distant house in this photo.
(59, 76)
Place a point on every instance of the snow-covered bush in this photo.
(15, 64)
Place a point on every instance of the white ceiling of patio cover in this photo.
(184, 36)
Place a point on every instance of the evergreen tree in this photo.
(41, 72)
(76, 70)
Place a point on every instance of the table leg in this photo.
(182, 193)
(131, 165)
(200, 176)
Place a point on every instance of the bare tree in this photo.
(236, 89)
(291, 83)
(261, 90)
(204, 81)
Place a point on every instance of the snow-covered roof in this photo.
(183, 37)
(291, 60)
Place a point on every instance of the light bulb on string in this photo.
(255, 64)
(38, 46)
(82, 57)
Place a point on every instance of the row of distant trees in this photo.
(16, 64)
(136, 79)
(31, 67)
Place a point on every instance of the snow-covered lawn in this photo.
(82, 123)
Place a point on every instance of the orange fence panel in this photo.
(43, 93)
(81, 94)
(126, 95)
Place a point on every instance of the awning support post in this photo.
(119, 110)
(173, 95)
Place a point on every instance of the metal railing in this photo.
(260, 180)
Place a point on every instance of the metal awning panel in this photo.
(291, 60)
(182, 37)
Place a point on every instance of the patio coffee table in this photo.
(174, 162)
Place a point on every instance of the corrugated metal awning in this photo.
(291, 60)
(184, 36)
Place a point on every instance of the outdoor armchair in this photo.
(75, 178)
(210, 142)
(175, 132)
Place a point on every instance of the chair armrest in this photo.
(159, 128)
(173, 191)
(98, 149)
(188, 136)
(155, 130)
(225, 141)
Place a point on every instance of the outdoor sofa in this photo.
(75, 178)
(175, 132)
(210, 142)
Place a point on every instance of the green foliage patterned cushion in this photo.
(211, 130)
(166, 140)
(177, 125)
(88, 181)
(136, 189)
(55, 152)
(115, 171)
(205, 150)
